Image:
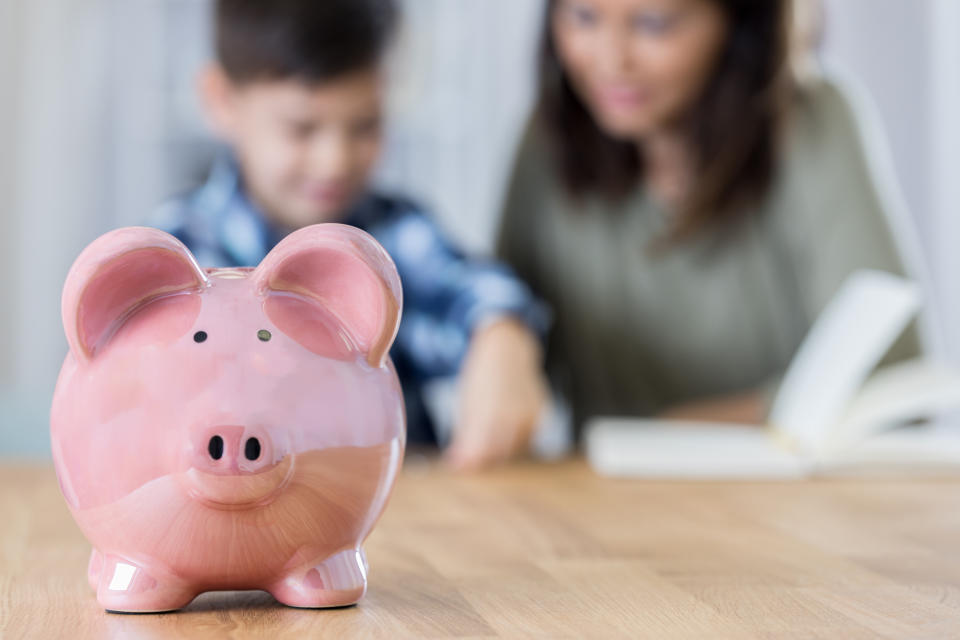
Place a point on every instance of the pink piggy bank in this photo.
(229, 428)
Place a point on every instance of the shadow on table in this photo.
(216, 613)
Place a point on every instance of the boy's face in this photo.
(305, 151)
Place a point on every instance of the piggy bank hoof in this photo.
(338, 581)
(124, 587)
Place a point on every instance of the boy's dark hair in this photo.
(310, 40)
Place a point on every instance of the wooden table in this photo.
(554, 551)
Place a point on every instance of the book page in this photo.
(895, 395)
(673, 449)
(846, 342)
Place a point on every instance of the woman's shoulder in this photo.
(832, 124)
(532, 183)
(536, 177)
(830, 138)
(532, 155)
(832, 160)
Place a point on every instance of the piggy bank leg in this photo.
(123, 586)
(337, 581)
(93, 568)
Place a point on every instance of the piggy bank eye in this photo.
(200, 336)
(264, 335)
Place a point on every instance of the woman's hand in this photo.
(502, 393)
(748, 407)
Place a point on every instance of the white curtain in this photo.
(58, 196)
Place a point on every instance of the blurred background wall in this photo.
(9, 74)
(98, 122)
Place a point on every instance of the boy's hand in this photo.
(502, 392)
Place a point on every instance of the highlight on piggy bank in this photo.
(229, 428)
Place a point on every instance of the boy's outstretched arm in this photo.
(502, 394)
(473, 317)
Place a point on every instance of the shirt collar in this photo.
(238, 226)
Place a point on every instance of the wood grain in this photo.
(554, 551)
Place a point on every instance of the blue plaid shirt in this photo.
(446, 294)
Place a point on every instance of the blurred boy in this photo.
(297, 93)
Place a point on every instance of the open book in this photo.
(830, 414)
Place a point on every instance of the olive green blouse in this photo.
(636, 332)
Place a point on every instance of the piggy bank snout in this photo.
(233, 450)
(231, 466)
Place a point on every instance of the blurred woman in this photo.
(686, 205)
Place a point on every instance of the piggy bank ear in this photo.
(118, 273)
(332, 274)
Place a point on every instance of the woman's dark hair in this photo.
(732, 129)
(310, 40)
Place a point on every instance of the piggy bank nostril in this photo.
(252, 449)
(215, 447)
